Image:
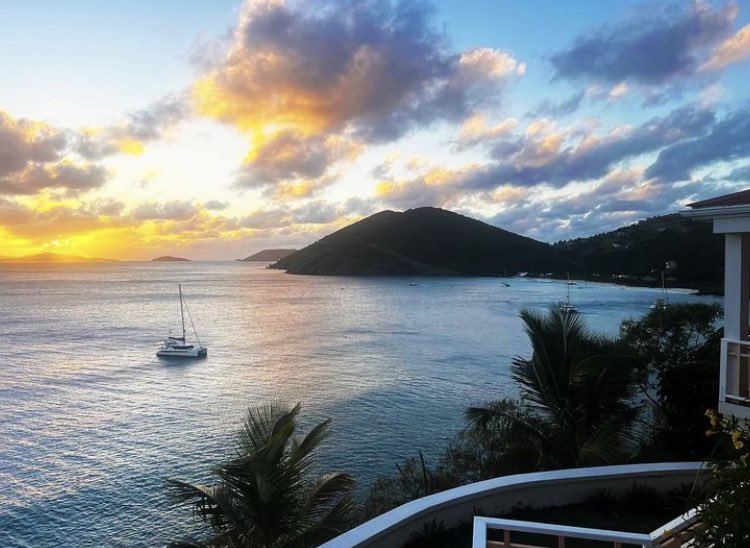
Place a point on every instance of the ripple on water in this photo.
(92, 423)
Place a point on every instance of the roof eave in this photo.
(709, 213)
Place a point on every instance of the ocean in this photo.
(92, 423)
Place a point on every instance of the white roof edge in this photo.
(708, 213)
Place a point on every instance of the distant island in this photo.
(50, 257)
(434, 242)
(269, 255)
(169, 258)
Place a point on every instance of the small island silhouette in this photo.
(169, 258)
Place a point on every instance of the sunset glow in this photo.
(272, 123)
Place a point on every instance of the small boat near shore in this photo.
(661, 304)
(567, 306)
(179, 347)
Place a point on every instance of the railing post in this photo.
(506, 538)
(725, 386)
(561, 542)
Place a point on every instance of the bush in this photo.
(680, 346)
(725, 514)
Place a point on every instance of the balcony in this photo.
(539, 489)
(678, 533)
(734, 383)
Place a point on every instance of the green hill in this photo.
(426, 241)
(637, 253)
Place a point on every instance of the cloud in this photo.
(618, 91)
(64, 175)
(547, 159)
(729, 139)
(106, 206)
(54, 222)
(13, 213)
(289, 154)
(175, 210)
(36, 156)
(734, 49)
(476, 131)
(546, 156)
(361, 71)
(740, 174)
(216, 205)
(139, 127)
(23, 142)
(550, 109)
(651, 49)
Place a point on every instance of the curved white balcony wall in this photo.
(491, 497)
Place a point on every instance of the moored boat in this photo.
(179, 347)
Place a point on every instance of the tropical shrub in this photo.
(577, 393)
(266, 497)
(724, 516)
(680, 347)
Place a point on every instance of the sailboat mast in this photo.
(182, 314)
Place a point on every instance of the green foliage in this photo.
(580, 404)
(265, 497)
(432, 535)
(680, 345)
(725, 513)
(576, 410)
(641, 249)
(576, 390)
(497, 442)
(415, 479)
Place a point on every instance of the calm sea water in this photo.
(92, 423)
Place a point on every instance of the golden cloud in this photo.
(734, 49)
(306, 79)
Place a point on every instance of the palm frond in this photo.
(301, 451)
(262, 422)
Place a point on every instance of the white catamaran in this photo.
(178, 347)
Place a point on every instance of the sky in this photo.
(212, 129)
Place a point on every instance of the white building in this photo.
(730, 215)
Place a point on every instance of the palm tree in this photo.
(577, 388)
(264, 496)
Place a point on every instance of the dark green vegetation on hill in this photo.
(426, 241)
(637, 253)
(435, 242)
(269, 255)
(169, 258)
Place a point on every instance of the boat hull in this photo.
(201, 352)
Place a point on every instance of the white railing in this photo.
(674, 534)
(734, 380)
